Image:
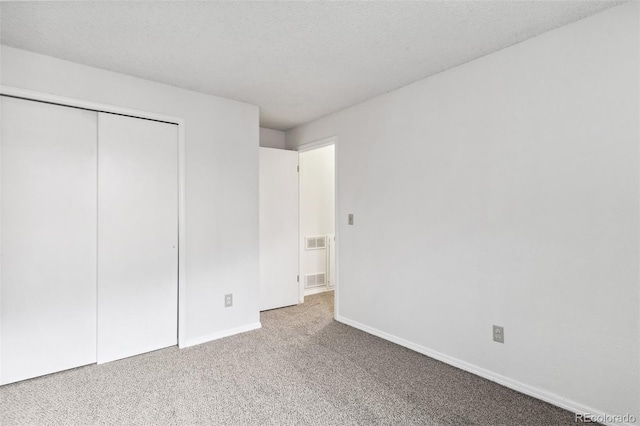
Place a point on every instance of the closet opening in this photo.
(96, 192)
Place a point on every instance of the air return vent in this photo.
(315, 280)
(316, 243)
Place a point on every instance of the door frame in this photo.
(182, 232)
(321, 143)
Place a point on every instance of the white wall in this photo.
(317, 205)
(504, 191)
(221, 179)
(270, 138)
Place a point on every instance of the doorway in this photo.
(317, 218)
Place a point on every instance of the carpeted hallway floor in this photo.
(301, 368)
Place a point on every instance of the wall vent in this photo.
(315, 280)
(315, 243)
(310, 280)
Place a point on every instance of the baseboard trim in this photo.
(311, 291)
(221, 334)
(541, 394)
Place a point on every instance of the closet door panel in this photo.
(48, 272)
(137, 236)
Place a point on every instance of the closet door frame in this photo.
(77, 103)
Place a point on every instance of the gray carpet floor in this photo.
(301, 368)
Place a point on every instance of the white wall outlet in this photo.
(498, 334)
(228, 300)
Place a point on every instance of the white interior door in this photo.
(278, 228)
(137, 236)
(48, 276)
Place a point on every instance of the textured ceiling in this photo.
(296, 60)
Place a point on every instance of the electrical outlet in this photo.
(350, 218)
(228, 300)
(498, 334)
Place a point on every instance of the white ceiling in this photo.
(298, 61)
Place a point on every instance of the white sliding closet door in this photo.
(137, 236)
(48, 278)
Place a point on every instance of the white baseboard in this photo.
(541, 394)
(221, 334)
(312, 290)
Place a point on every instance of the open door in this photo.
(278, 228)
